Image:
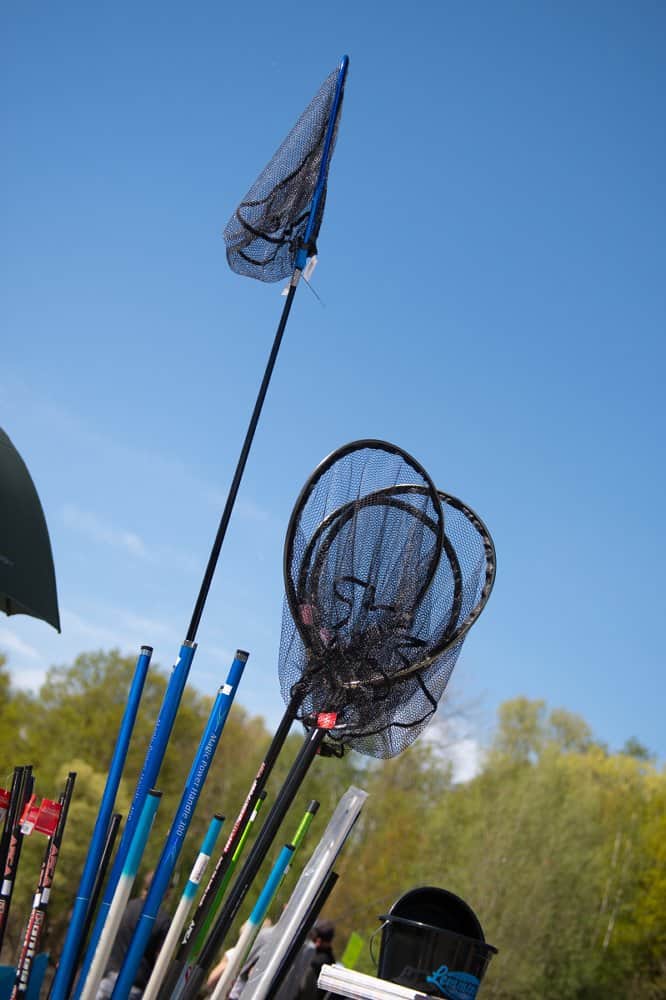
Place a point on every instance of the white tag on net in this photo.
(309, 267)
(306, 274)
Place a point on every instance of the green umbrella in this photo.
(27, 577)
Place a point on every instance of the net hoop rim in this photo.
(449, 550)
(387, 496)
(308, 488)
(456, 637)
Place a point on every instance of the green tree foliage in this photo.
(15, 707)
(557, 844)
(634, 748)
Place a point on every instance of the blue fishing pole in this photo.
(174, 842)
(80, 911)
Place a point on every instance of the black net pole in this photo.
(10, 815)
(240, 467)
(249, 871)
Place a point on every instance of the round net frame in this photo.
(374, 618)
(457, 596)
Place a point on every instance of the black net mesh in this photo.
(378, 602)
(265, 232)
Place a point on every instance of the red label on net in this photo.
(327, 720)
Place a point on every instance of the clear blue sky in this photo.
(492, 272)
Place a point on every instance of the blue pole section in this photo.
(302, 255)
(207, 847)
(147, 779)
(78, 920)
(272, 885)
(170, 943)
(174, 842)
(250, 929)
(141, 834)
(121, 896)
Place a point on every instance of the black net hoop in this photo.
(458, 595)
(371, 629)
(267, 229)
(318, 549)
(466, 532)
(344, 486)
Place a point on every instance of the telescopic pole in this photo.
(82, 909)
(219, 895)
(174, 842)
(181, 670)
(10, 815)
(114, 827)
(180, 916)
(13, 854)
(301, 259)
(41, 899)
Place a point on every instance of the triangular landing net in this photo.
(281, 214)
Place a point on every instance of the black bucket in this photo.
(432, 941)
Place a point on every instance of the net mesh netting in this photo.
(378, 596)
(450, 606)
(265, 232)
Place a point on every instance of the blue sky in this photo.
(493, 300)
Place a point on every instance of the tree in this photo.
(634, 748)
(521, 731)
(16, 709)
(568, 731)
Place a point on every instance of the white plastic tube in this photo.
(260, 981)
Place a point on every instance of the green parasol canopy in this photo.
(27, 576)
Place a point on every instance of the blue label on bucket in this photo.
(454, 985)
